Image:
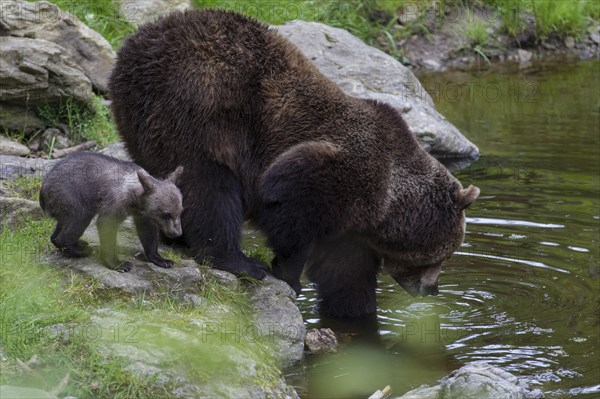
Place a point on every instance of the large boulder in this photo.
(45, 21)
(36, 71)
(366, 72)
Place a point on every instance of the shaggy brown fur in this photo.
(333, 180)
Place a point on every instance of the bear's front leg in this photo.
(212, 219)
(148, 234)
(345, 271)
(289, 269)
(107, 230)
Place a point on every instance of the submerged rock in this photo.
(366, 72)
(321, 340)
(476, 381)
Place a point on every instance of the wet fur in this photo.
(333, 180)
(86, 184)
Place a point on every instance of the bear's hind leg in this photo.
(345, 271)
(212, 219)
(67, 234)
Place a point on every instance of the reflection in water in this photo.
(523, 293)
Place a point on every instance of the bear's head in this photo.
(161, 202)
(424, 223)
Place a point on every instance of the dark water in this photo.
(523, 293)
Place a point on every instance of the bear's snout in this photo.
(422, 281)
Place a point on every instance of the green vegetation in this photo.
(83, 123)
(25, 186)
(477, 31)
(552, 17)
(103, 16)
(34, 298)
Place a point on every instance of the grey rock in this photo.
(193, 299)
(569, 42)
(321, 340)
(116, 150)
(366, 72)
(36, 72)
(11, 147)
(55, 139)
(144, 277)
(476, 381)
(146, 371)
(140, 11)
(595, 36)
(15, 118)
(432, 65)
(13, 166)
(34, 361)
(3, 357)
(13, 209)
(524, 56)
(153, 357)
(45, 21)
(278, 317)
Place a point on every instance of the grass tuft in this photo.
(82, 123)
(25, 186)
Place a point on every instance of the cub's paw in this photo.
(124, 267)
(80, 249)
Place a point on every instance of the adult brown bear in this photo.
(336, 183)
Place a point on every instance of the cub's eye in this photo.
(166, 216)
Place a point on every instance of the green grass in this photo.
(83, 123)
(476, 31)
(353, 15)
(25, 186)
(552, 17)
(34, 297)
(102, 16)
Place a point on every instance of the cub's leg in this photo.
(345, 271)
(149, 237)
(212, 218)
(107, 230)
(67, 234)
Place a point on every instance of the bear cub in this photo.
(87, 184)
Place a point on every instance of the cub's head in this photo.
(424, 225)
(162, 202)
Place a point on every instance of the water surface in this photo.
(523, 292)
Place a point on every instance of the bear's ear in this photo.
(147, 181)
(174, 177)
(466, 196)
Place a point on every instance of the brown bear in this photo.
(336, 183)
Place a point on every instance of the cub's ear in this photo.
(466, 196)
(174, 177)
(147, 181)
